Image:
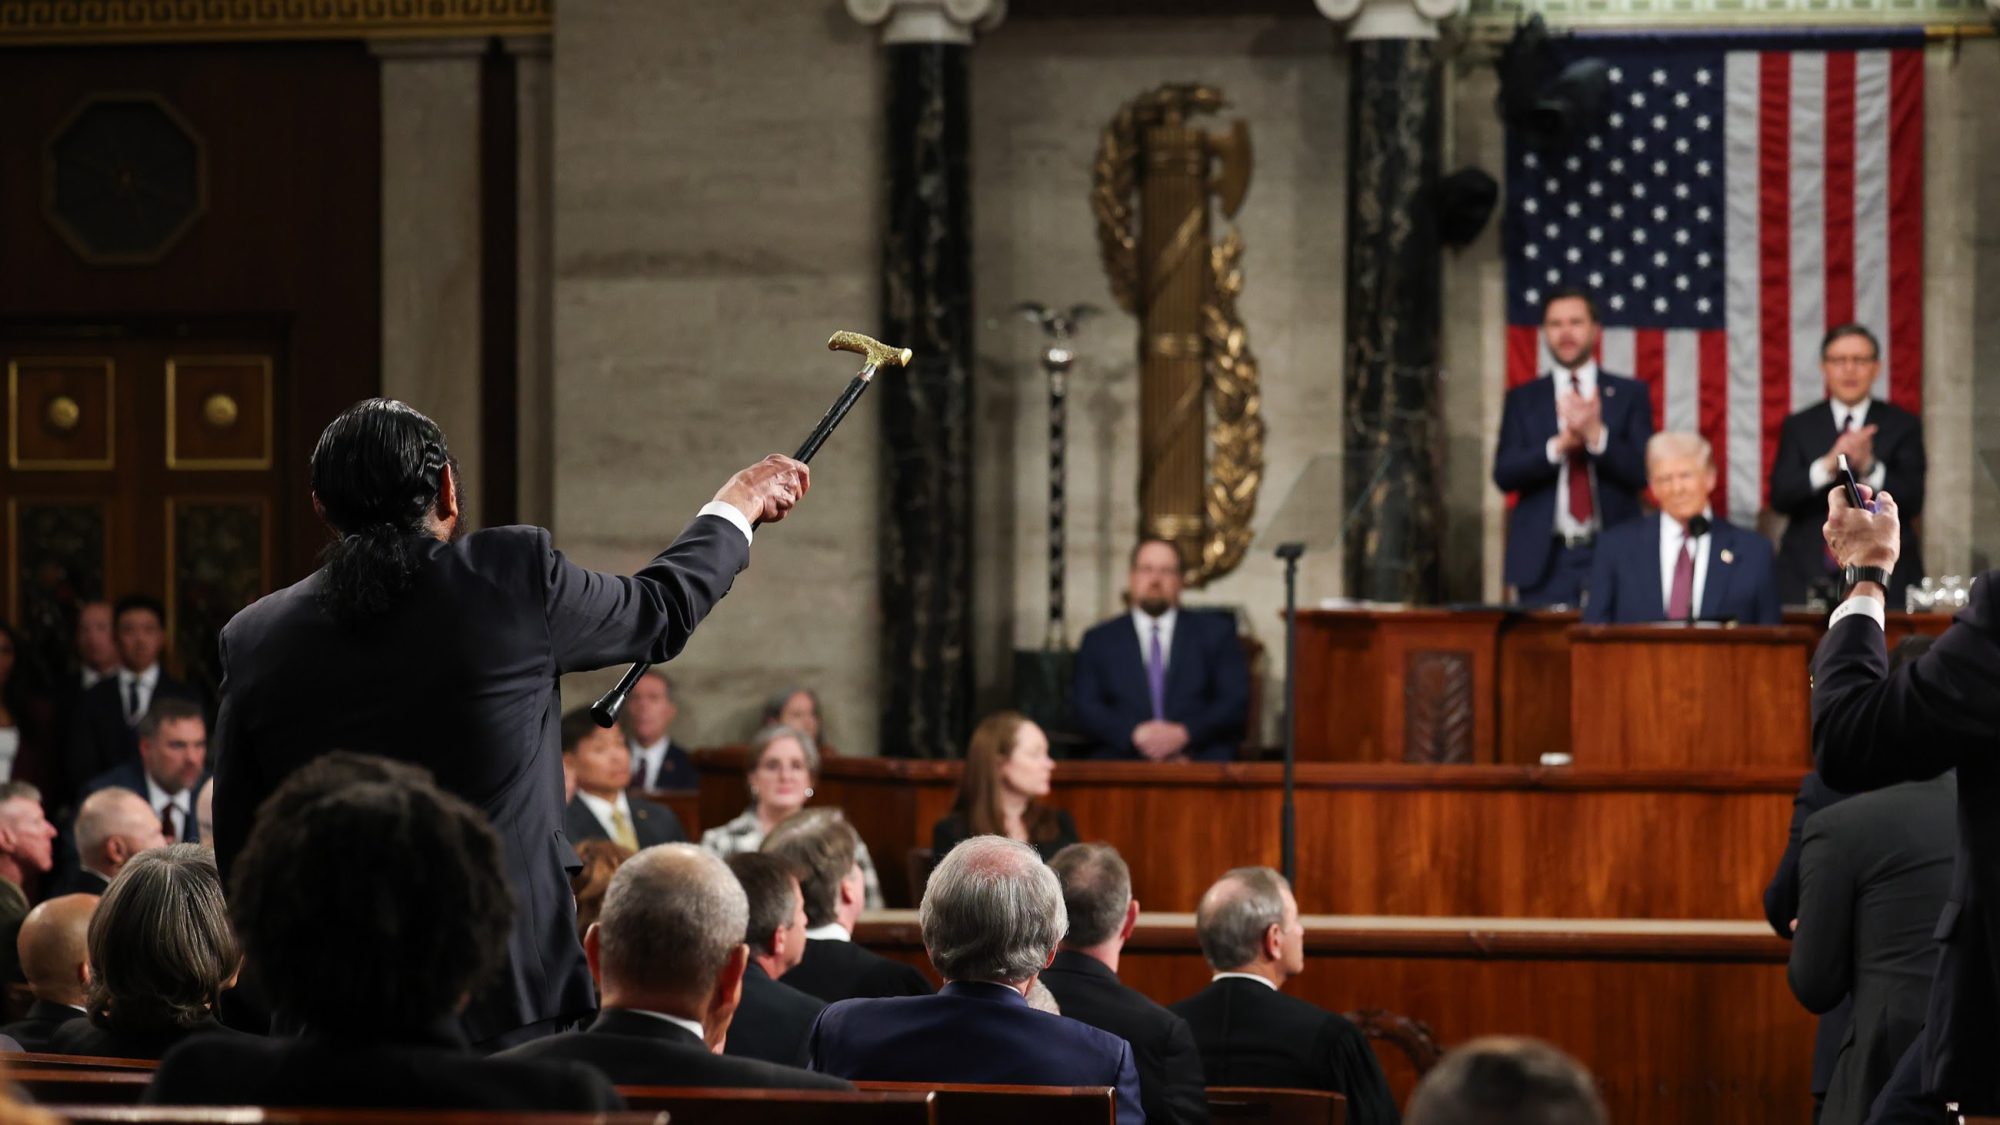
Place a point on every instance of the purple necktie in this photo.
(1681, 604)
(1156, 676)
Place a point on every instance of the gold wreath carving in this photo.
(1236, 429)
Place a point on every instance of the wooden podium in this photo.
(1691, 697)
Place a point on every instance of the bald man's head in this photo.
(52, 946)
(114, 825)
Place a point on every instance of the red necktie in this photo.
(1680, 605)
(1580, 506)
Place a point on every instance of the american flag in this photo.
(1737, 197)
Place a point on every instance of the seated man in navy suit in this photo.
(991, 917)
(1160, 683)
(1684, 564)
(173, 751)
(602, 808)
(1571, 447)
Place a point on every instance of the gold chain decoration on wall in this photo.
(1201, 433)
(194, 21)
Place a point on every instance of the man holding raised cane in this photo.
(1873, 727)
(419, 643)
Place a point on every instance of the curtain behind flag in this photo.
(1737, 197)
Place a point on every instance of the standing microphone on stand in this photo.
(1697, 526)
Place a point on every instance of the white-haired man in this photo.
(1683, 564)
(991, 917)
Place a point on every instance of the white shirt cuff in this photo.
(1554, 454)
(1818, 475)
(1864, 604)
(1876, 477)
(729, 512)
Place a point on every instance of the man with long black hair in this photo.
(444, 650)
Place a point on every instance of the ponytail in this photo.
(377, 473)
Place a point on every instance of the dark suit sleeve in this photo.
(1873, 728)
(948, 833)
(1183, 1098)
(1520, 460)
(1600, 598)
(1093, 716)
(1765, 608)
(1216, 728)
(1130, 1108)
(1353, 1070)
(1907, 467)
(1822, 963)
(1791, 481)
(1781, 894)
(237, 791)
(596, 620)
(1624, 456)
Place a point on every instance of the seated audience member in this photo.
(1506, 1081)
(991, 918)
(658, 762)
(96, 648)
(669, 958)
(1097, 893)
(1159, 683)
(27, 850)
(602, 809)
(113, 825)
(601, 860)
(161, 954)
(774, 1019)
(370, 911)
(823, 848)
(784, 767)
(1251, 1034)
(173, 752)
(1874, 872)
(798, 708)
(1007, 771)
(1683, 564)
(55, 957)
(25, 719)
(101, 734)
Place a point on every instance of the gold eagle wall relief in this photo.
(1201, 430)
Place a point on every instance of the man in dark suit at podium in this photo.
(1683, 564)
(1884, 445)
(1572, 449)
(1160, 683)
(1874, 727)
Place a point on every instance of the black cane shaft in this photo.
(604, 712)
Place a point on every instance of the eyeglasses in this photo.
(1850, 360)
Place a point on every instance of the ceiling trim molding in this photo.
(27, 23)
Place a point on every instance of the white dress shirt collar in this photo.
(182, 803)
(832, 931)
(1672, 535)
(601, 809)
(1586, 377)
(1842, 412)
(148, 679)
(687, 1025)
(1265, 981)
(1143, 625)
(646, 760)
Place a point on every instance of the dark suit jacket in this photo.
(34, 1030)
(676, 770)
(952, 830)
(79, 881)
(460, 677)
(841, 970)
(1873, 728)
(773, 1020)
(636, 1049)
(972, 1032)
(651, 823)
(82, 1037)
(99, 737)
(426, 1070)
(132, 776)
(1625, 577)
(1521, 465)
(1873, 872)
(1781, 905)
(1207, 688)
(1252, 1035)
(1170, 1080)
(1804, 438)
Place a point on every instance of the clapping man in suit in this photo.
(991, 917)
(1572, 447)
(1884, 445)
(103, 734)
(823, 848)
(1252, 1034)
(1097, 893)
(1684, 564)
(774, 1019)
(658, 762)
(173, 753)
(669, 958)
(1161, 683)
(602, 809)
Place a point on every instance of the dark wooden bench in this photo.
(1276, 1107)
(256, 1115)
(700, 1105)
(969, 1104)
(54, 1085)
(30, 1060)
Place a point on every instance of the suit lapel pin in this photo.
(1728, 556)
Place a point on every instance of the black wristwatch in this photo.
(1853, 576)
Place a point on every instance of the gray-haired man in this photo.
(1251, 1034)
(991, 917)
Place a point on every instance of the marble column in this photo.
(926, 523)
(431, 239)
(1395, 433)
(534, 140)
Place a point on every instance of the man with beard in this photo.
(1573, 448)
(1161, 683)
